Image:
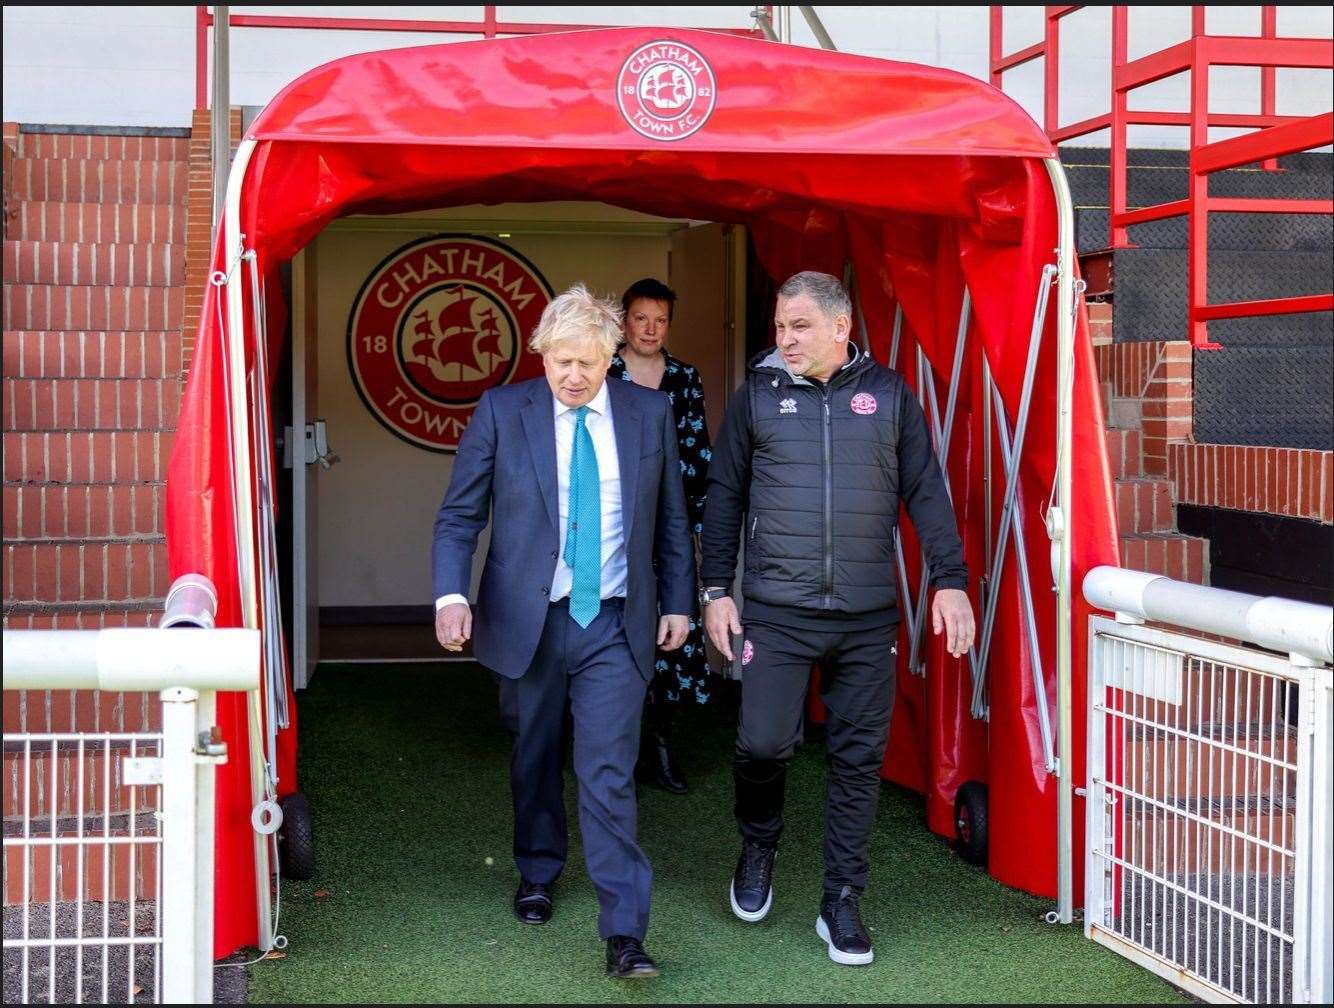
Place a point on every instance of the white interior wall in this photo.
(134, 65)
(377, 506)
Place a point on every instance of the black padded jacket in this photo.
(813, 474)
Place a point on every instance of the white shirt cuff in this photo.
(445, 600)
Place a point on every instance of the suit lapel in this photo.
(539, 423)
(627, 422)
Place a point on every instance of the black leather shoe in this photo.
(532, 903)
(753, 882)
(658, 765)
(840, 927)
(627, 960)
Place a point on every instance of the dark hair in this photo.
(653, 290)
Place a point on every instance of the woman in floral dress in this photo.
(681, 676)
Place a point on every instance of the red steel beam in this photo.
(1303, 134)
(1057, 11)
(1274, 306)
(1161, 211)
(1268, 80)
(1233, 204)
(1247, 50)
(1242, 120)
(1035, 51)
(1154, 67)
(1081, 128)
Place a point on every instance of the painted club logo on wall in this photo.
(436, 324)
(666, 90)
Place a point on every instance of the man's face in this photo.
(575, 370)
(646, 325)
(813, 345)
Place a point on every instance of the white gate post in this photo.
(178, 898)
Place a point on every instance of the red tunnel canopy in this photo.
(922, 179)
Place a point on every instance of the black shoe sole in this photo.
(642, 973)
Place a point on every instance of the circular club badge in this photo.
(666, 90)
(436, 324)
(864, 403)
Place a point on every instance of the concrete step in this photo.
(124, 265)
(43, 782)
(1125, 413)
(87, 573)
(101, 223)
(72, 405)
(1181, 557)
(1125, 453)
(35, 353)
(108, 871)
(1201, 835)
(98, 181)
(115, 148)
(82, 307)
(1144, 505)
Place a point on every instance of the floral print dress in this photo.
(683, 675)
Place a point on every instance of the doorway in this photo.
(363, 486)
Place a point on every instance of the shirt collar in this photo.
(598, 404)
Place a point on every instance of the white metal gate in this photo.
(108, 836)
(1208, 843)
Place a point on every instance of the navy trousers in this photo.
(593, 673)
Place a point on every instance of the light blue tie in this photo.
(583, 534)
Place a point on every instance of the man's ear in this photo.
(842, 327)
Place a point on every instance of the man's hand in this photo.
(952, 612)
(721, 622)
(672, 631)
(453, 625)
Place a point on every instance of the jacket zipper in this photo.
(828, 510)
(753, 522)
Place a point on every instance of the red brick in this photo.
(140, 571)
(122, 510)
(71, 588)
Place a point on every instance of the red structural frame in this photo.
(1275, 135)
(489, 27)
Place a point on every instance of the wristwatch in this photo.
(713, 595)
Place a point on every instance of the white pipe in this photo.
(191, 601)
(1061, 523)
(1279, 624)
(179, 855)
(242, 476)
(132, 660)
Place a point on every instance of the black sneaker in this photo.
(753, 884)
(840, 927)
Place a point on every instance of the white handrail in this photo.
(1300, 629)
(131, 659)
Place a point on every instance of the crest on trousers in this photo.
(665, 90)
(437, 323)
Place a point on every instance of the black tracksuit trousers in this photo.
(857, 686)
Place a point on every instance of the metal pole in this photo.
(179, 786)
(763, 16)
(220, 123)
(817, 27)
(1060, 520)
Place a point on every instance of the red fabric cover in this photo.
(922, 177)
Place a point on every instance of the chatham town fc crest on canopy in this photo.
(666, 90)
(436, 324)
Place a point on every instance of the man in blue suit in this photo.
(589, 543)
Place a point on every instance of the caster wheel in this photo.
(970, 822)
(296, 839)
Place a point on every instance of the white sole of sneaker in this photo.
(745, 915)
(837, 954)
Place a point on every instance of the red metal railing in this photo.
(489, 27)
(1276, 135)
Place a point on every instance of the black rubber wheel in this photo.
(970, 822)
(296, 839)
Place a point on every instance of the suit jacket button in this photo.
(544, 591)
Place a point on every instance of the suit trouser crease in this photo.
(857, 686)
(592, 673)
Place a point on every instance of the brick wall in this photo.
(1279, 481)
(1158, 375)
(94, 272)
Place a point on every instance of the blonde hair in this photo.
(578, 315)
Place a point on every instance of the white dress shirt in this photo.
(599, 423)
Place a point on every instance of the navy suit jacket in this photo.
(506, 468)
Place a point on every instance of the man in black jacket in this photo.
(819, 446)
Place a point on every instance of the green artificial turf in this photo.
(406, 768)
